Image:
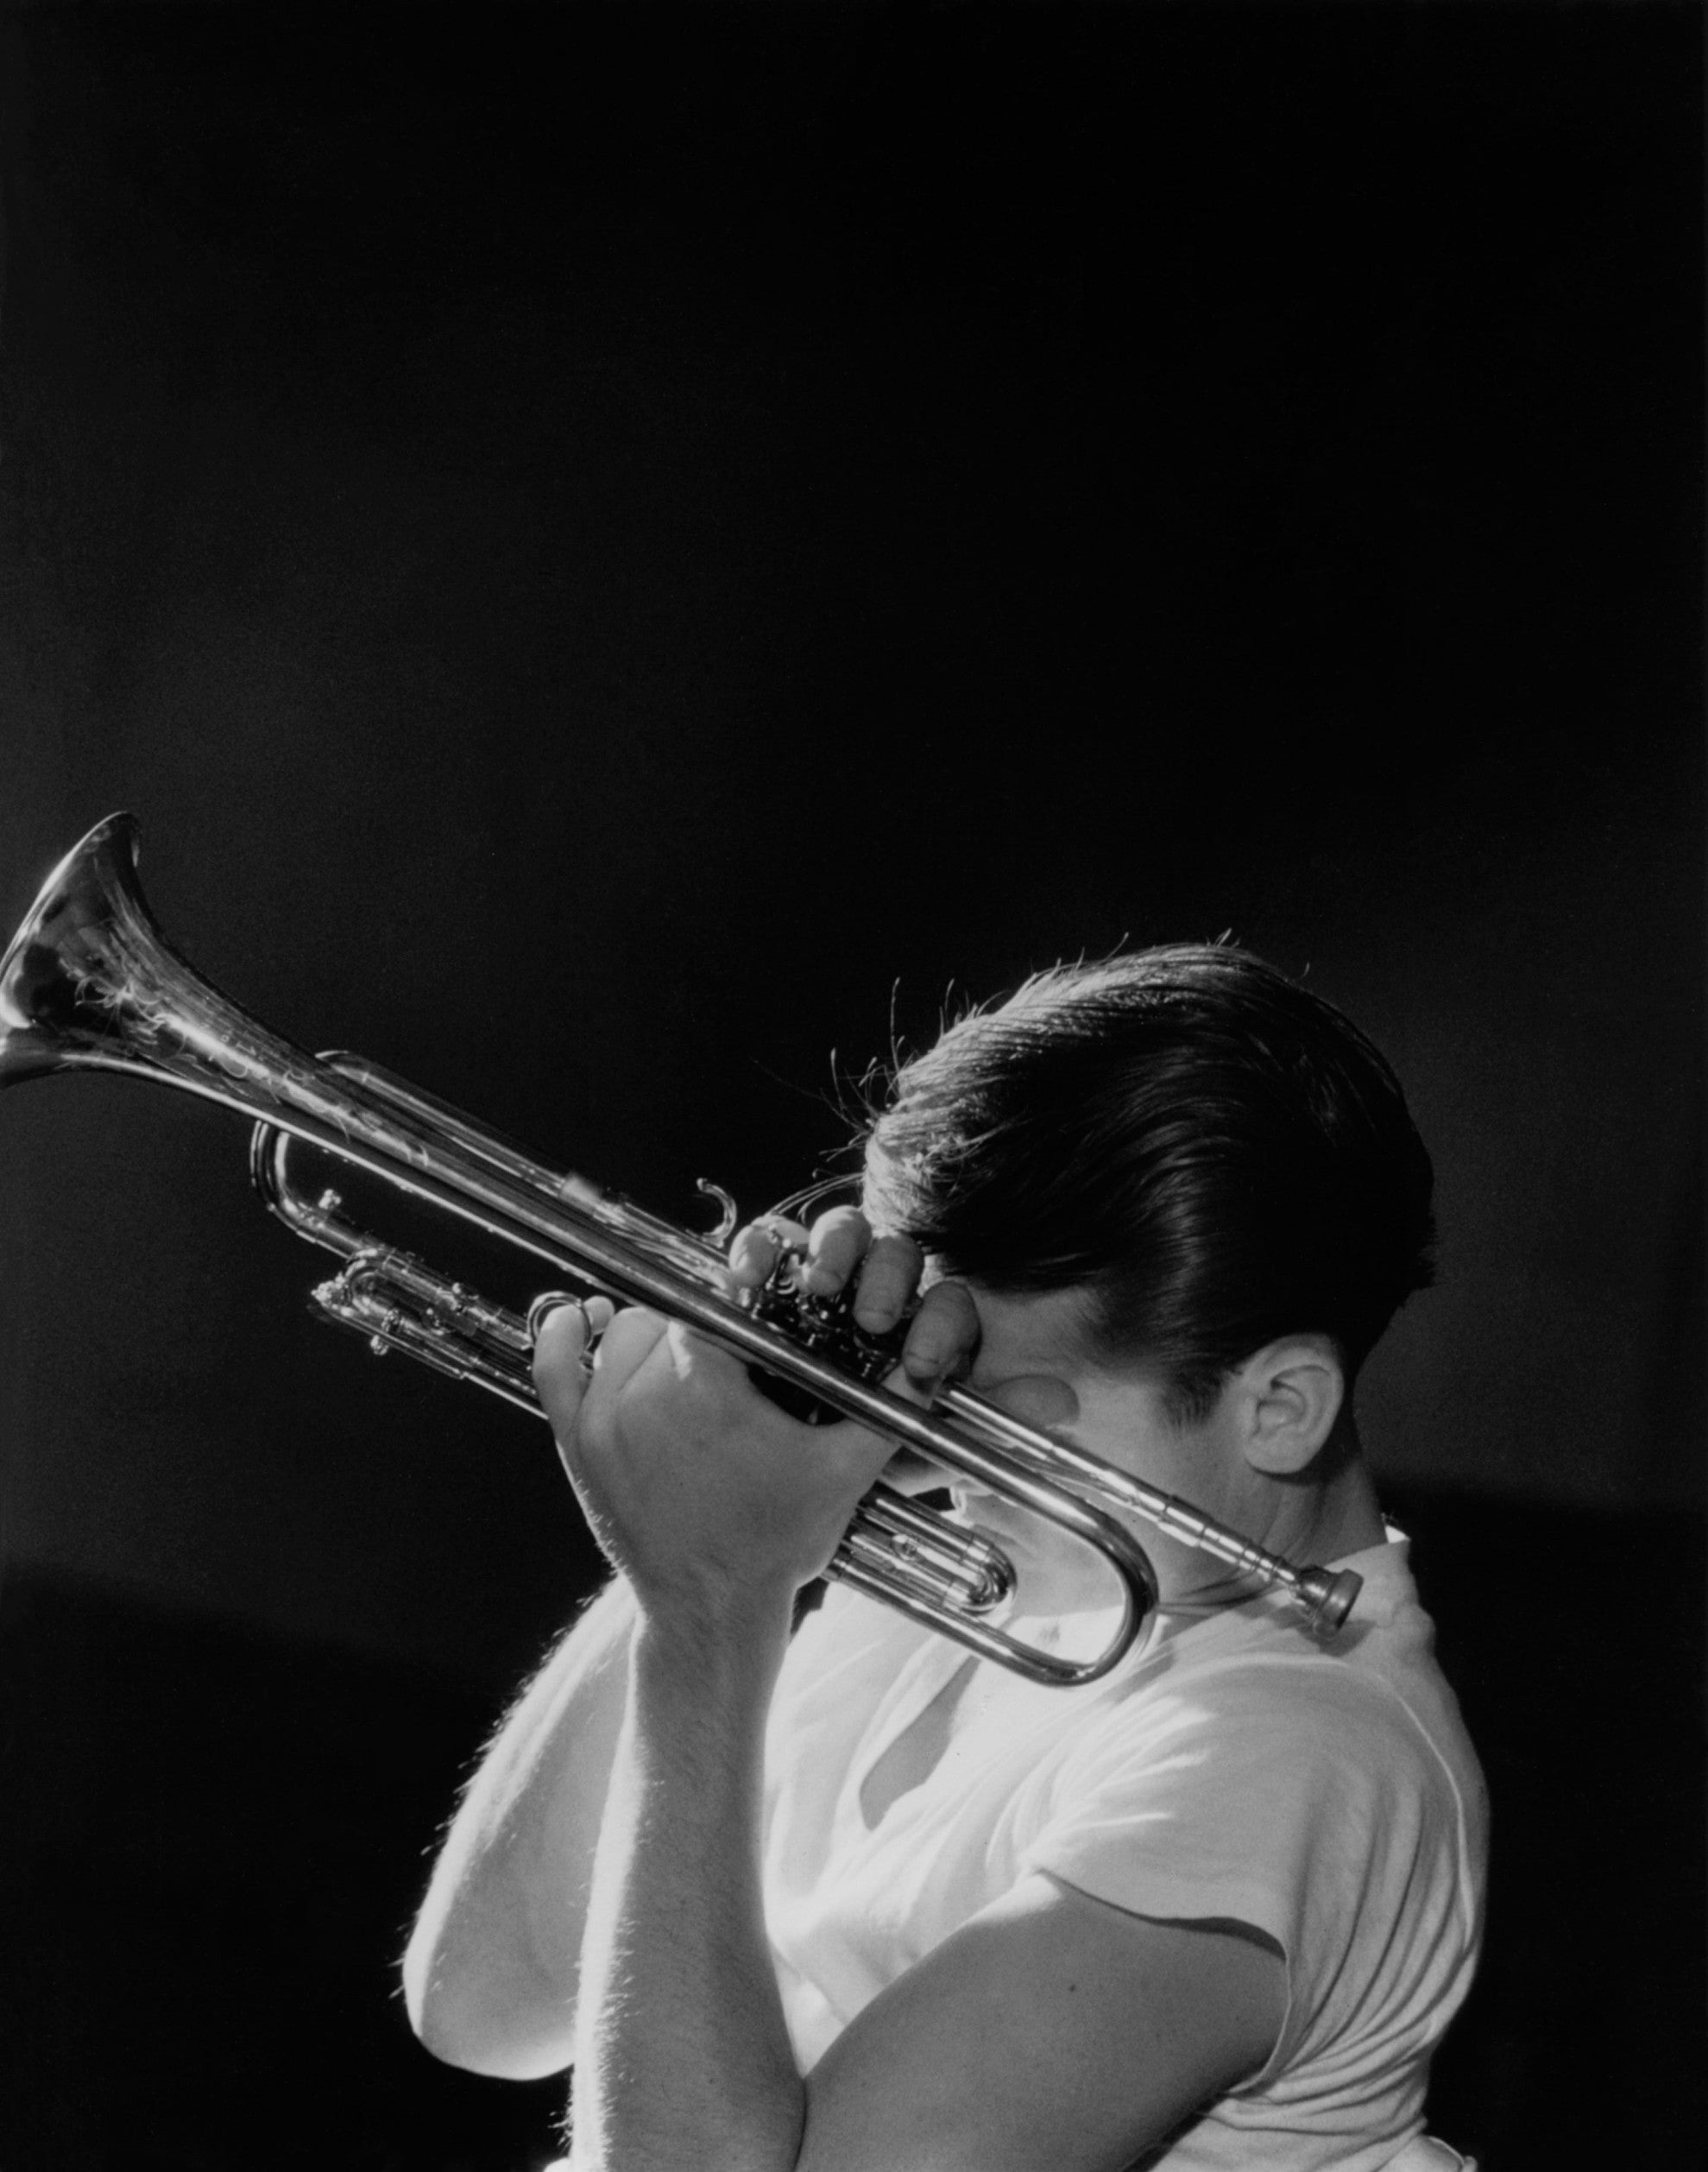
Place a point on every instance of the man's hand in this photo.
(885, 1272)
(881, 1279)
(698, 1488)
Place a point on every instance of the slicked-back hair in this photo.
(1215, 1156)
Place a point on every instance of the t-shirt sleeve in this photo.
(1246, 1794)
(1303, 1797)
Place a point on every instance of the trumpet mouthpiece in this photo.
(1332, 1597)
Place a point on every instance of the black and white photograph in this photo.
(851, 1087)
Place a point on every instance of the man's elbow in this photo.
(483, 2020)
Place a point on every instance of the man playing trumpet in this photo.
(853, 1901)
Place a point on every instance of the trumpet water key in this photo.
(89, 983)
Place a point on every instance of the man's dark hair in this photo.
(1217, 1156)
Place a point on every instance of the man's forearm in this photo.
(682, 2055)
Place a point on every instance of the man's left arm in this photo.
(682, 2055)
(1052, 2031)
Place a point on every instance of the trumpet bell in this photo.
(89, 983)
(64, 965)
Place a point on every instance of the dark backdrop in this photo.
(628, 557)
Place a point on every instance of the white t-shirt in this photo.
(1231, 1768)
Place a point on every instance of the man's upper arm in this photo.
(490, 1972)
(1053, 2033)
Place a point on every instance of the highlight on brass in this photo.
(89, 983)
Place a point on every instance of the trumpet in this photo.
(90, 982)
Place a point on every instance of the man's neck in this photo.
(1330, 1511)
(1311, 1519)
(1350, 1517)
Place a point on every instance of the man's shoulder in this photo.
(1250, 1689)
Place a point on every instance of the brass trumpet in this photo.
(89, 983)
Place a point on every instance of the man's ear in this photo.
(1294, 1390)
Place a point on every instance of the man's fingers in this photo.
(561, 1347)
(834, 1249)
(889, 1276)
(626, 1345)
(562, 1370)
(829, 1251)
(755, 1250)
(943, 1336)
(839, 1250)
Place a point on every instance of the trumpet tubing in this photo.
(89, 983)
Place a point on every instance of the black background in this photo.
(627, 558)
